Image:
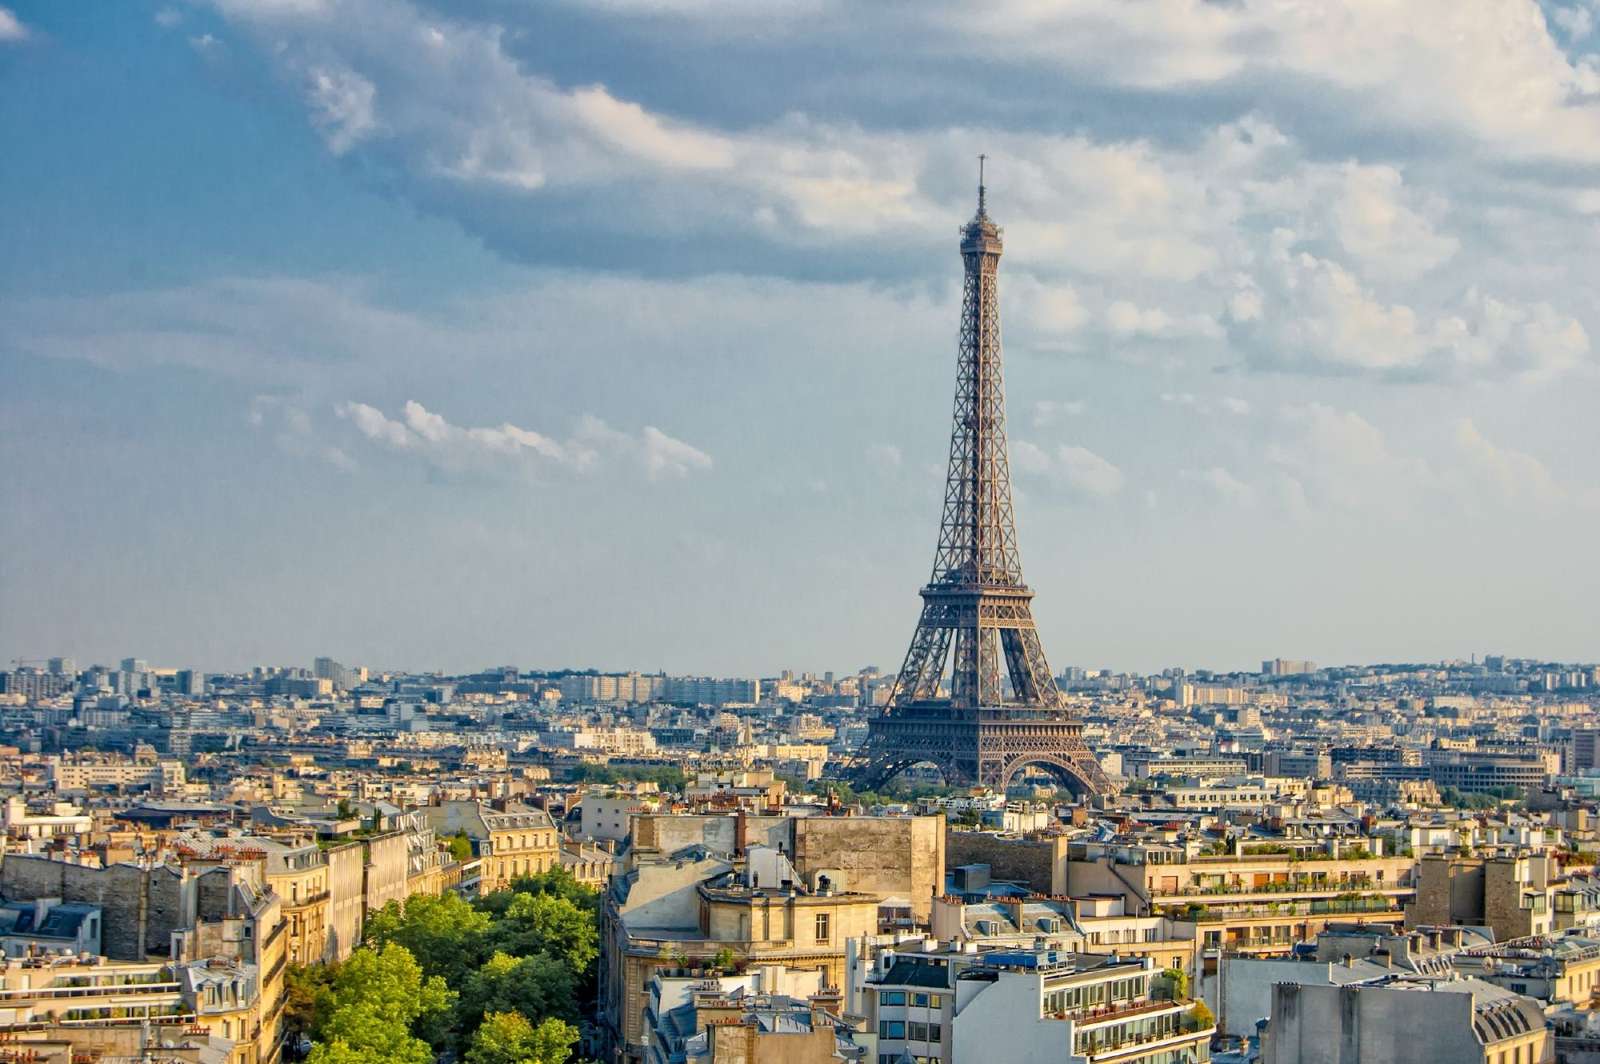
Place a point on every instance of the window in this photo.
(917, 1032)
(920, 999)
(891, 1029)
(823, 929)
(892, 997)
(935, 1001)
(933, 1032)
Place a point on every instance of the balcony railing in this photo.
(1327, 907)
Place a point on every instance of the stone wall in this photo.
(901, 857)
(139, 908)
(1030, 862)
(347, 907)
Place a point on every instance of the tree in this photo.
(538, 987)
(460, 847)
(445, 932)
(544, 923)
(377, 1000)
(308, 999)
(508, 1038)
(557, 882)
(1201, 1016)
(722, 960)
(389, 979)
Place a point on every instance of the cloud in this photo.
(1078, 468)
(1313, 313)
(167, 17)
(1235, 405)
(11, 28)
(1516, 477)
(1576, 22)
(886, 457)
(1376, 225)
(1223, 484)
(1338, 459)
(1047, 412)
(290, 428)
(456, 448)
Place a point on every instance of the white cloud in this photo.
(1234, 405)
(1513, 475)
(458, 448)
(665, 456)
(11, 27)
(1576, 22)
(343, 106)
(1222, 483)
(1340, 460)
(1077, 468)
(1316, 313)
(289, 426)
(1047, 412)
(886, 457)
(1376, 224)
(167, 17)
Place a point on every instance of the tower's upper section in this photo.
(981, 236)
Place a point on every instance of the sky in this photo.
(621, 333)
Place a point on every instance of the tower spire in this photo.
(981, 190)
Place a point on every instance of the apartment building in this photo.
(1260, 899)
(1405, 1019)
(1031, 1006)
(676, 914)
(508, 838)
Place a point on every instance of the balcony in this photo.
(1119, 1011)
(1195, 913)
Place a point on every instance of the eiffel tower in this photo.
(1000, 709)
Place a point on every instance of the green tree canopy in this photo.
(557, 881)
(508, 1038)
(377, 999)
(545, 923)
(538, 987)
(448, 935)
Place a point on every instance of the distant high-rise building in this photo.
(135, 665)
(63, 667)
(1287, 667)
(191, 683)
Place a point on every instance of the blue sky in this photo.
(622, 334)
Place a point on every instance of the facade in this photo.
(1031, 1006)
(1405, 1020)
(1513, 895)
(509, 839)
(1247, 903)
(673, 915)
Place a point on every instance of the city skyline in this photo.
(606, 364)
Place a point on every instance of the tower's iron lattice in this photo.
(999, 709)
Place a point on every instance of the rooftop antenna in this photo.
(981, 189)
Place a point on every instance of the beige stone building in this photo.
(674, 914)
(1259, 904)
(901, 857)
(510, 839)
(1514, 895)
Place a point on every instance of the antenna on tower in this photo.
(981, 189)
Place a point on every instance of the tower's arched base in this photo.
(979, 748)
